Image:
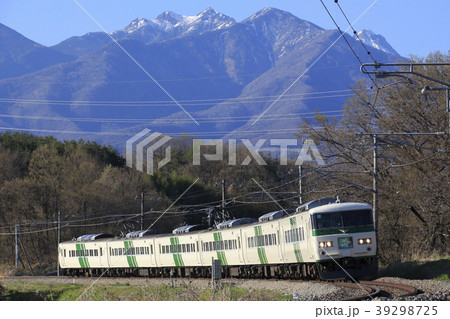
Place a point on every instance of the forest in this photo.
(89, 187)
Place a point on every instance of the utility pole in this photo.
(142, 210)
(59, 240)
(17, 245)
(223, 200)
(300, 184)
(375, 185)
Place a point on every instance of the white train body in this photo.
(306, 243)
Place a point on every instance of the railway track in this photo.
(379, 289)
(369, 290)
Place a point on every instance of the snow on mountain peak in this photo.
(375, 40)
(136, 24)
(206, 20)
(170, 17)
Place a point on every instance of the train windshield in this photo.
(352, 218)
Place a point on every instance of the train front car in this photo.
(344, 239)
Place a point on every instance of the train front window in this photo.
(327, 220)
(357, 218)
(352, 218)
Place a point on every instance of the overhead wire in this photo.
(354, 31)
(345, 39)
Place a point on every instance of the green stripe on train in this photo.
(361, 229)
(177, 258)
(220, 254)
(297, 252)
(261, 250)
(82, 258)
(131, 259)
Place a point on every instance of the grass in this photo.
(443, 277)
(434, 269)
(23, 291)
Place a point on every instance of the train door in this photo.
(198, 251)
(279, 244)
(310, 239)
(240, 247)
(282, 243)
(100, 255)
(245, 248)
(158, 252)
(62, 259)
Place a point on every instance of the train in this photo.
(324, 239)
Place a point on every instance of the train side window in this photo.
(197, 246)
(163, 249)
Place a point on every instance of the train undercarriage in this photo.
(328, 270)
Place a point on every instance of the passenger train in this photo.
(323, 239)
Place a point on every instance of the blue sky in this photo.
(410, 26)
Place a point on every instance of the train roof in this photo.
(322, 205)
(333, 207)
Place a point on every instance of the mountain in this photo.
(166, 26)
(375, 40)
(224, 73)
(19, 55)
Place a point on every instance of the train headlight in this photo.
(324, 244)
(363, 241)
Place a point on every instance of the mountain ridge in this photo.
(224, 76)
